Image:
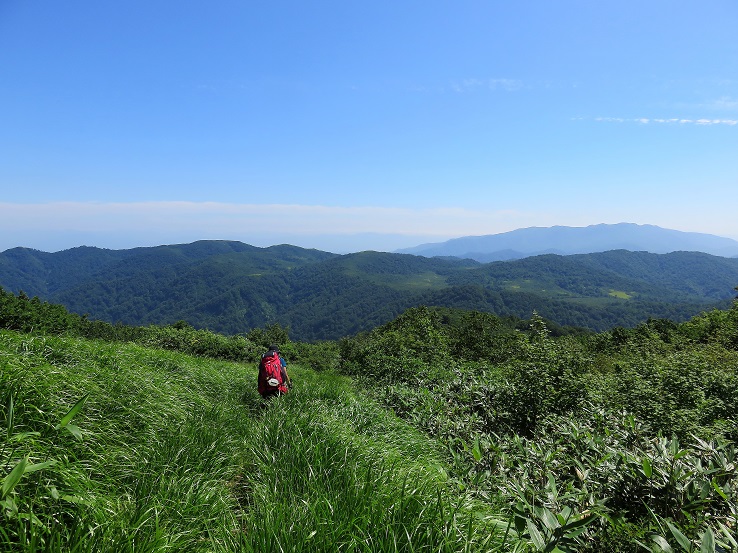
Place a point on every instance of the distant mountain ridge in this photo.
(231, 287)
(562, 240)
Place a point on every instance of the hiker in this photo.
(273, 379)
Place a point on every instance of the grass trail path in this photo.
(175, 453)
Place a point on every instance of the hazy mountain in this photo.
(561, 240)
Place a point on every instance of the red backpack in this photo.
(270, 375)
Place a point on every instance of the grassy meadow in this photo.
(168, 452)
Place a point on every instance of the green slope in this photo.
(41, 273)
(680, 276)
(174, 453)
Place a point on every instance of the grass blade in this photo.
(12, 479)
(76, 408)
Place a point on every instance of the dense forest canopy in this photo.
(230, 287)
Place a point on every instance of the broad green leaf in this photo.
(575, 533)
(679, 537)
(33, 519)
(705, 489)
(552, 485)
(476, 450)
(549, 519)
(662, 543)
(708, 542)
(682, 453)
(442, 472)
(564, 515)
(12, 479)
(728, 534)
(647, 468)
(536, 536)
(76, 408)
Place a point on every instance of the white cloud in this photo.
(646, 120)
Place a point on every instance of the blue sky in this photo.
(352, 125)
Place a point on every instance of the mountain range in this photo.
(562, 240)
(232, 287)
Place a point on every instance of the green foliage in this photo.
(321, 356)
(230, 288)
(269, 335)
(567, 432)
(153, 431)
(610, 470)
(407, 349)
(33, 315)
(679, 378)
(716, 326)
(475, 335)
(535, 374)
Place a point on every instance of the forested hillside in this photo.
(230, 287)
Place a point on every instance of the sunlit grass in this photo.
(175, 453)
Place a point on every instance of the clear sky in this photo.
(352, 125)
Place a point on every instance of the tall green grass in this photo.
(333, 472)
(116, 447)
